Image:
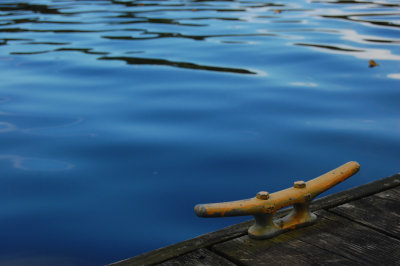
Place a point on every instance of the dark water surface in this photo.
(117, 117)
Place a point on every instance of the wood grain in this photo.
(333, 240)
(201, 257)
(380, 211)
(239, 230)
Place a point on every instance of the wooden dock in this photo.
(359, 226)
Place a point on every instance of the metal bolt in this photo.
(262, 195)
(299, 184)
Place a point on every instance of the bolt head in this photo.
(262, 195)
(299, 184)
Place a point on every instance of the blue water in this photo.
(117, 117)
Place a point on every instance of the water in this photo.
(117, 117)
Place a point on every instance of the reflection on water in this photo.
(394, 76)
(43, 126)
(161, 62)
(108, 108)
(109, 18)
(366, 54)
(35, 164)
(17, 7)
(358, 18)
(329, 47)
(6, 127)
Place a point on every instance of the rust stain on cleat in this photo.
(264, 205)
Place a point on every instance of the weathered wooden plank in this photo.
(352, 240)
(202, 257)
(356, 193)
(380, 211)
(282, 250)
(333, 240)
(163, 254)
(240, 229)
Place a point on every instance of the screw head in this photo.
(262, 195)
(299, 184)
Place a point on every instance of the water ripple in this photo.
(107, 102)
(42, 9)
(36, 164)
(147, 17)
(162, 62)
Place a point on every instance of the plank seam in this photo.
(356, 193)
(206, 240)
(365, 225)
(209, 246)
(325, 249)
(230, 259)
(330, 251)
